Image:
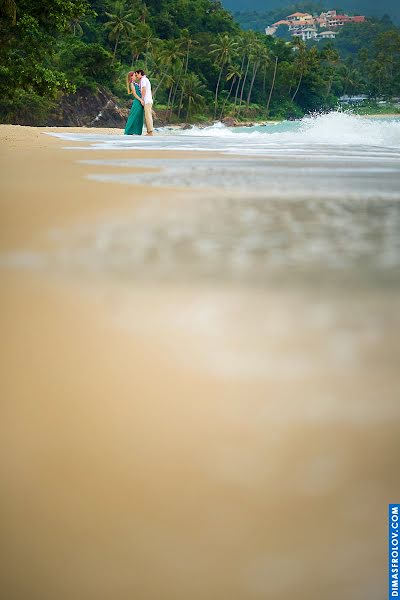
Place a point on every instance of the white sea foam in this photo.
(311, 134)
(336, 128)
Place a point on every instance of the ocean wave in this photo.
(334, 132)
(335, 128)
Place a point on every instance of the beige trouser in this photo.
(148, 117)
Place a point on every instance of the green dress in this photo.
(134, 124)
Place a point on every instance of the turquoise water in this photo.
(337, 130)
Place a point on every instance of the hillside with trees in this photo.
(370, 8)
(66, 62)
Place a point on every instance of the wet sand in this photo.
(183, 441)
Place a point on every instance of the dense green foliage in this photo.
(30, 79)
(201, 63)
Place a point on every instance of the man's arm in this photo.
(143, 90)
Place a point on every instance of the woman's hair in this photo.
(128, 81)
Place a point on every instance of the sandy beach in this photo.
(158, 441)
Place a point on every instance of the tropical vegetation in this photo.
(203, 65)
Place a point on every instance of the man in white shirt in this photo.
(147, 99)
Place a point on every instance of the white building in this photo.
(326, 35)
(328, 14)
(307, 26)
(353, 99)
(308, 33)
(300, 24)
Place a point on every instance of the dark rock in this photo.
(187, 126)
(229, 122)
(160, 118)
(89, 109)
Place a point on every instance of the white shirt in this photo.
(144, 82)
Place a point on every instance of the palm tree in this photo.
(119, 23)
(242, 44)
(139, 41)
(76, 27)
(179, 53)
(9, 8)
(192, 92)
(331, 56)
(232, 75)
(239, 79)
(172, 80)
(376, 74)
(148, 40)
(266, 59)
(166, 57)
(260, 54)
(249, 40)
(272, 84)
(301, 62)
(388, 47)
(163, 61)
(351, 79)
(133, 45)
(143, 12)
(189, 44)
(223, 49)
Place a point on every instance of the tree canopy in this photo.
(202, 64)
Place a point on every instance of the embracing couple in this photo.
(140, 87)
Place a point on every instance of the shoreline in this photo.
(203, 125)
(45, 186)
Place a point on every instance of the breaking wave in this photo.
(335, 128)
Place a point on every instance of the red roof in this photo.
(303, 23)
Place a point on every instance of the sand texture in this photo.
(189, 441)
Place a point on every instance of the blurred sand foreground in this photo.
(175, 442)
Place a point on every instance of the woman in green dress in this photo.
(134, 124)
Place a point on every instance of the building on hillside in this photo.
(340, 20)
(306, 34)
(271, 30)
(357, 19)
(328, 14)
(337, 21)
(326, 35)
(297, 16)
(298, 23)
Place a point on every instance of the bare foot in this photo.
(151, 133)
